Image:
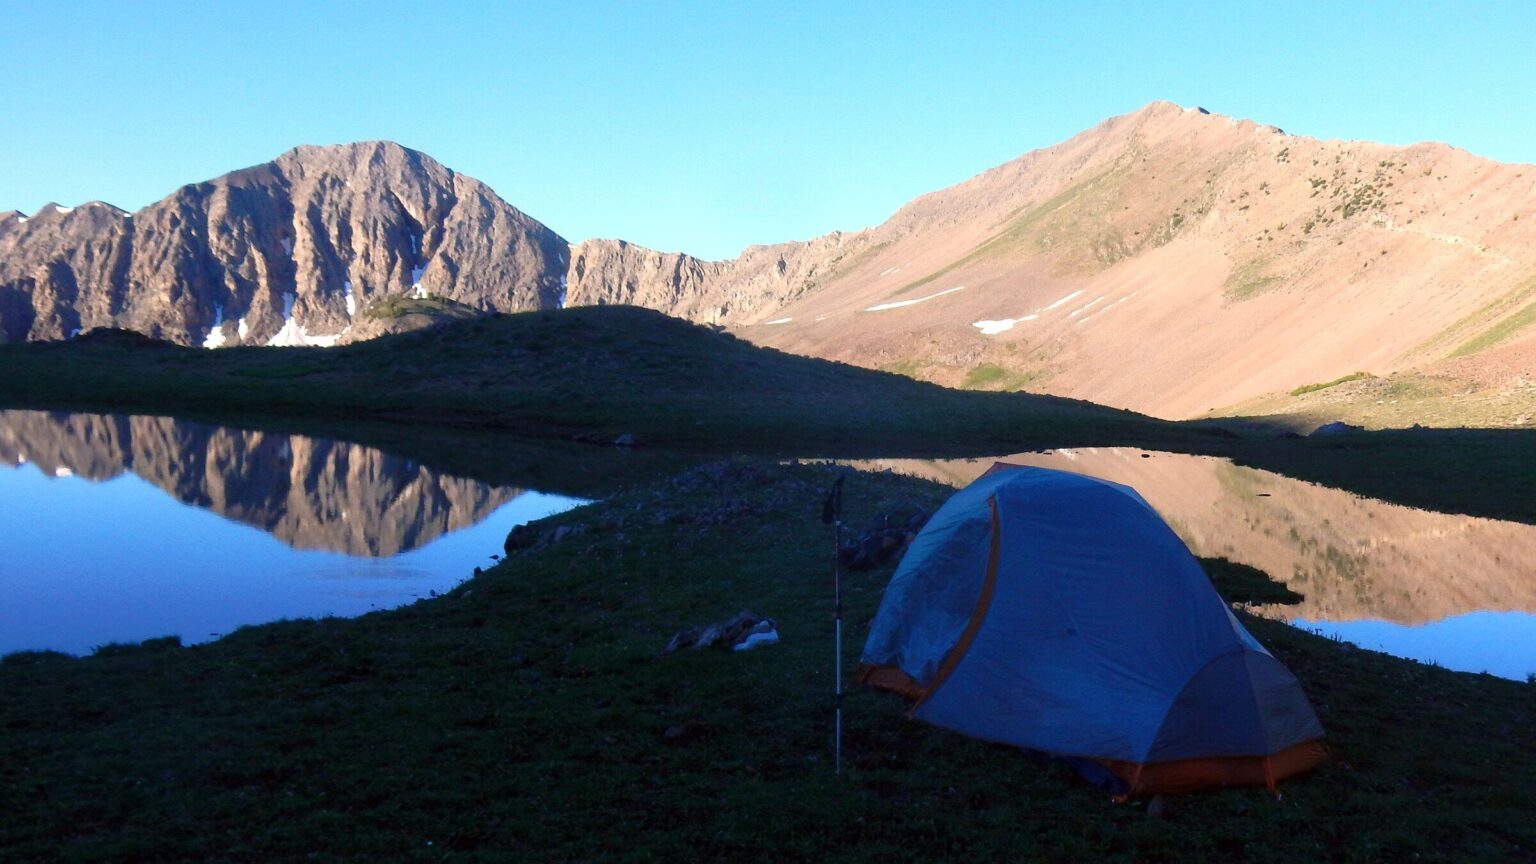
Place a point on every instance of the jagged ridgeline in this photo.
(1233, 261)
(290, 252)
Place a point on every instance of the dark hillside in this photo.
(596, 372)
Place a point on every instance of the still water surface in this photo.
(119, 529)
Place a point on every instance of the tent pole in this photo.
(832, 514)
(837, 663)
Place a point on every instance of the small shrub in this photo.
(1313, 388)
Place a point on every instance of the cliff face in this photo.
(760, 280)
(310, 493)
(288, 252)
(613, 272)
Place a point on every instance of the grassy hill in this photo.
(595, 372)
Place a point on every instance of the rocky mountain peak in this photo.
(1229, 258)
(289, 252)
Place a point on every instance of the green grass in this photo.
(904, 368)
(1024, 227)
(1313, 388)
(300, 369)
(434, 307)
(526, 716)
(1471, 322)
(986, 373)
(1249, 280)
(1499, 332)
(990, 376)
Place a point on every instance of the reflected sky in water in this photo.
(1499, 643)
(89, 562)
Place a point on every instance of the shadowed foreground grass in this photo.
(527, 716)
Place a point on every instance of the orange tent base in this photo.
(1155, 778)
(1189, 775)
(889, 678)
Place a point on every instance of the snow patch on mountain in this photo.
(1081, 309)
(216, 337)
(1063, 301)
(901, 303)
(293, 334)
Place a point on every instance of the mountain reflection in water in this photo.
(311, 493)
(119, 529)
(1370, 571)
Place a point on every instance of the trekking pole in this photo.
(832, 512)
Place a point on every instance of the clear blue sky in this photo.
(704, 127)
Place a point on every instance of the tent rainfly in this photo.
(1059, 613)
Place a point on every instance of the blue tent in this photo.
(1059, 613)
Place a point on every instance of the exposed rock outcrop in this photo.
(740, 290)
(288, 252)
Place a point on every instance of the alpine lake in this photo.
(118, 529)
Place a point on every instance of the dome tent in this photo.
(1059, 613)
